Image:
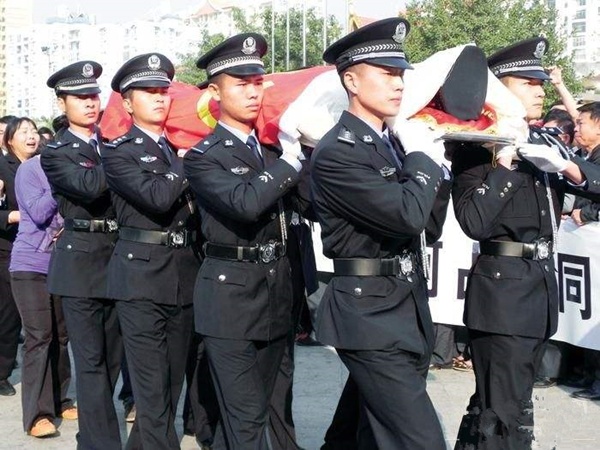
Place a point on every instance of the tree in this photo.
(261, 23)
(491, 24)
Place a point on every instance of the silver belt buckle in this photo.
(267, 252)
(405, 265)
(543, 250)
(177, 239)
(111, 225)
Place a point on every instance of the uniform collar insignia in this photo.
(228, 143)
(148, 159)
(368, 138)
(75, 144)
(387, 171)
(139, 140)
(240, 170)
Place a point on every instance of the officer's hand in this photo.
(1, 187)
(576, 216)
(417, 136)
(505, 155)
(548, 159)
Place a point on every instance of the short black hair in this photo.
(593, 108)
(563, 120)
(45, 130)
(60, 122)
(6, 119)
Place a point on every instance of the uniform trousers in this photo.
(46, 372)
(10, 321)
(500, 413)
(156, 339)
(392, 386)
(95, 339)
(244, 374)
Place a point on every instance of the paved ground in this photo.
(562, 423)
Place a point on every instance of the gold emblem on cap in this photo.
(540, 49)
(400, 33)
(154, 62)
(249, 46)
(87, 70)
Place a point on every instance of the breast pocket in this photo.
(523, 201)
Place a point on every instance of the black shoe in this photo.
(6, 388)
(544, 382)
(580, 382)
(587, 394)
(305, 340)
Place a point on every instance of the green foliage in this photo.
(261, 23)
(491, 24)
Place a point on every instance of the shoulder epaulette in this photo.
(206, 144)
(347, 136)
(118, 141)
(57, 144)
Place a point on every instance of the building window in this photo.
(578, 27)
(579, 54)
(579, 41)
(579, 14)
(581, 2)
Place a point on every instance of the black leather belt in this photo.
(401, 266)
(538, 250)
(92, 225)
(264, 253)
(175, 239)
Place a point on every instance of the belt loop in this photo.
(240, 253)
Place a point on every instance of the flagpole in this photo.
(303, 33)
(324, 26)
(272, 36)
(287, 37)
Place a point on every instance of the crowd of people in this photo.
(163, 266)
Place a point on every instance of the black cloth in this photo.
(368, 208)
(589, 208)
(46, 372)
(156, 338)
(10, 321)
(95, 340)
(152, 283)
(500, 413)
(78, 266)
(244, 373)
(509, 296)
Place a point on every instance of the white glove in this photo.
(416, 136)
(507, 150)
(548, 159)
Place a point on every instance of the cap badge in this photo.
(154, 62)
(249, 46)
(540, 49)
(87, 70)
(400, 33)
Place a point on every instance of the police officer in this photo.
(154, 263)
(374, 198)
(246, 191)
(512, 206)
(78, 265)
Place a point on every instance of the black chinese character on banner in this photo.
(433, 252)
(574, 283)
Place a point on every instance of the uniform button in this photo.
(497, 275)
(501, 194)
(69, 247)
(222, 278)
(509, 184)
(546, 268)
(505, 189)
(543, 212)
(537, 183)
(130, 256)
(154, 171)
(180, 223)
(357, 291)
(289, 180)
(272, 272)
(273, 216)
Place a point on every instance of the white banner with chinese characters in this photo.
(578, 274)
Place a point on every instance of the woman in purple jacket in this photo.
(46, 368)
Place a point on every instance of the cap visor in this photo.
(84, 91)
(535, 74)
(245, 70)
(149, 84)
(396, 63)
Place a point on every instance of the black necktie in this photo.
(94, 144)
(253, 145)
(386, 140)
(164, 146)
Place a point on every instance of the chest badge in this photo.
(240, 170)
(87, 164)
(387, 171)
(148, 159)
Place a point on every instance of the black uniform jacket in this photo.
(368, 208)
(78, 266)
(9, 164)
(149, 193)
(238, 202)
(589, 209)
(509, 295)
